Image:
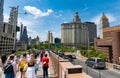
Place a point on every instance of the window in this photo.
(4, 28)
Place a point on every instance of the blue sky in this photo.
(44, 15)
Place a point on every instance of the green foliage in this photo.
(92, 53)
(81, 47)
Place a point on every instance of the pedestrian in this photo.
(41, 56)
(14, 54)
(22, 64)
(37, 63)
(45, 62)
(13, 61)
(30, 73)
(28, 56)
(3, 58)
(9, 69)
(1, 72)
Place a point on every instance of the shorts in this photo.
(21, 69)
(36, 69)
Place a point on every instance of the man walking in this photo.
(45, 62)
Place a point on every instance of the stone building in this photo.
(6, 37)
(109, 40)
(34, 41)
(77, 33)
(7, 30)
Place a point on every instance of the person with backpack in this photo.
(8, 69)
(14, 64)
(22, 64)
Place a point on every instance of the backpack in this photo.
(8, 68)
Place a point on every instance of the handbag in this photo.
(25, 68)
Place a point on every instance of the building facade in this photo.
(109, 40)
(57, 40)
(34, 41)
(1, 10)
(50, 37)
(7, 34)
(24, 36)
(77, 33)
(6, 37)
(24, 41)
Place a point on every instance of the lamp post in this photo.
(88, 42)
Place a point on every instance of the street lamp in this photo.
(88, 42)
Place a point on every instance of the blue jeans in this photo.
(10, 75)
(45, 71)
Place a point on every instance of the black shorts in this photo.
(21, 69)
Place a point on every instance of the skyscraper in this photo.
(24, 36)
(1, 10)
(21, 31)
(50, 37)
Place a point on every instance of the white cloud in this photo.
(6, 17)
(57, 34)
(24, 21)
(85, 7)
(96, 19)
(27, 22)
(37, 12)
(57, 16)
(33, 34)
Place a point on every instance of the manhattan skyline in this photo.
(45, 15)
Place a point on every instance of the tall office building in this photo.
(50, 37)
(1, 10)
(21, 31)
(24, 36)
(77, 33)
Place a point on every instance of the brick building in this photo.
(109, 41)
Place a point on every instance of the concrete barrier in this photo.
(65, 69)
(116, 67)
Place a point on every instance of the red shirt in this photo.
(46, 60)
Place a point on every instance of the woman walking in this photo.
(1, 68)
(37, 63)
(31, 69)
(22, 64)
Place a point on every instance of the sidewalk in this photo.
(51, 72)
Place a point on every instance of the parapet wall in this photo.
(65, 69)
